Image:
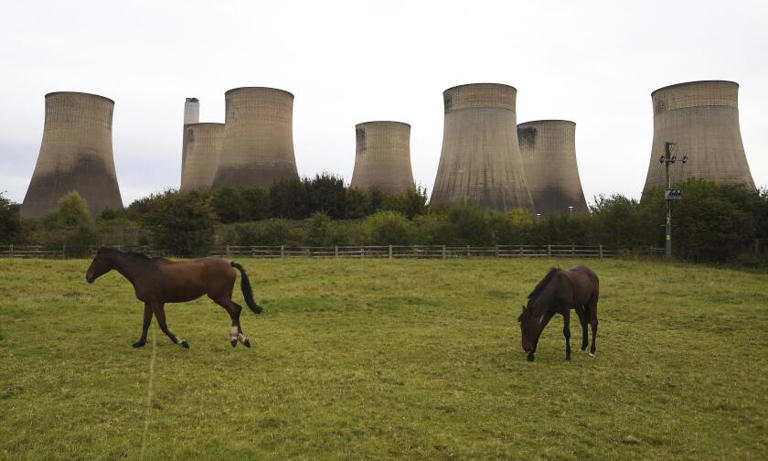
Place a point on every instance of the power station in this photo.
(480, 159)
(548, 148)
(191, 115)
(383, 157)
(701, 119)
(257, 149)
(202, 148)
(75, 155)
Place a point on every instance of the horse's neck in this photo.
(129, 266)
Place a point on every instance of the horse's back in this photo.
(192, 278)
(585, 282)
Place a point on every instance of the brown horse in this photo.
(158, 281)
(557, 293)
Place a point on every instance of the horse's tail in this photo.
(245, 285)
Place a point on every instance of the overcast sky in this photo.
(593, 62)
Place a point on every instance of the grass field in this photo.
(380, 358)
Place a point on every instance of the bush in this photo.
(10, 222)
(180, 223)
(69, 226)
(511, 227)
(388, 228)
(410, 203)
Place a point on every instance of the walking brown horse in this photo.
(158, 281)
(558, 292)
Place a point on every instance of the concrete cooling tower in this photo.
(75, 155)
(480, 159)
(258, 138)
(548, 148)
(383, 157)
(702, 120)
(191, 115)
(202, 147)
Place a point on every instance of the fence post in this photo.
(10, 250)
(362, 253)
(497, 251)
(521, 250)
(573, 249)
(63, 251)
(443, 251)
(468, 253)
(549, 251)
(601, 252)
(336, 251)
(390, 252)
(227, 250)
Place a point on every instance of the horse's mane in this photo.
(537, 291)
(126, 253)
(544, 282)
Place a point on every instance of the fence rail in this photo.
(356, 252)
(32, 251)
(417, 251)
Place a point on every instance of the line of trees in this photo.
(713, 223)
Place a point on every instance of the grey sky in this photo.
(593, 62)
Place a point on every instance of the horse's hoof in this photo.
(568, 359)
(138, 344)
(530, 357)
(246, 343)
(584, 349)
(592, 354)
(184, 344)
(233, 342)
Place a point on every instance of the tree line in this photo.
(713, 223)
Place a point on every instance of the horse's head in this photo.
(528, 328)
(100, 265)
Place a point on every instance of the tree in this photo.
(180, 223)
(10, 222)
(388, 228)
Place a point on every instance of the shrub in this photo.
(10, 222)
(388, 228)
(180, 223)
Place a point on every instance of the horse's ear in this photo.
(523, 308)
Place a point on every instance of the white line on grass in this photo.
(149, 397)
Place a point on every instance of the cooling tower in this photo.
(481, 160)
(75, 154)
(702, 120)
(383, 157)
(258, 138)
(191, 111)
(548, 148)
(202, 147)
(191, 115)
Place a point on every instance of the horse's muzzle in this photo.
(89, 278)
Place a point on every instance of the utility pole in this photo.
(670, 194)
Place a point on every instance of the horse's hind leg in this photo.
(567, 332)
(581, 312)
(145, 326)
(235, 331)
(592, 314)
(160, 314)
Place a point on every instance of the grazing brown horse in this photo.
(557, 293)
(158, 281)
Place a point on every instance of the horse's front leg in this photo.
(145, 326)
(160, 314)
(567, 332)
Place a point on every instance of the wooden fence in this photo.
(417, 251)
(357, 252)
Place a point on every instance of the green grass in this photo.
(379, 359)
